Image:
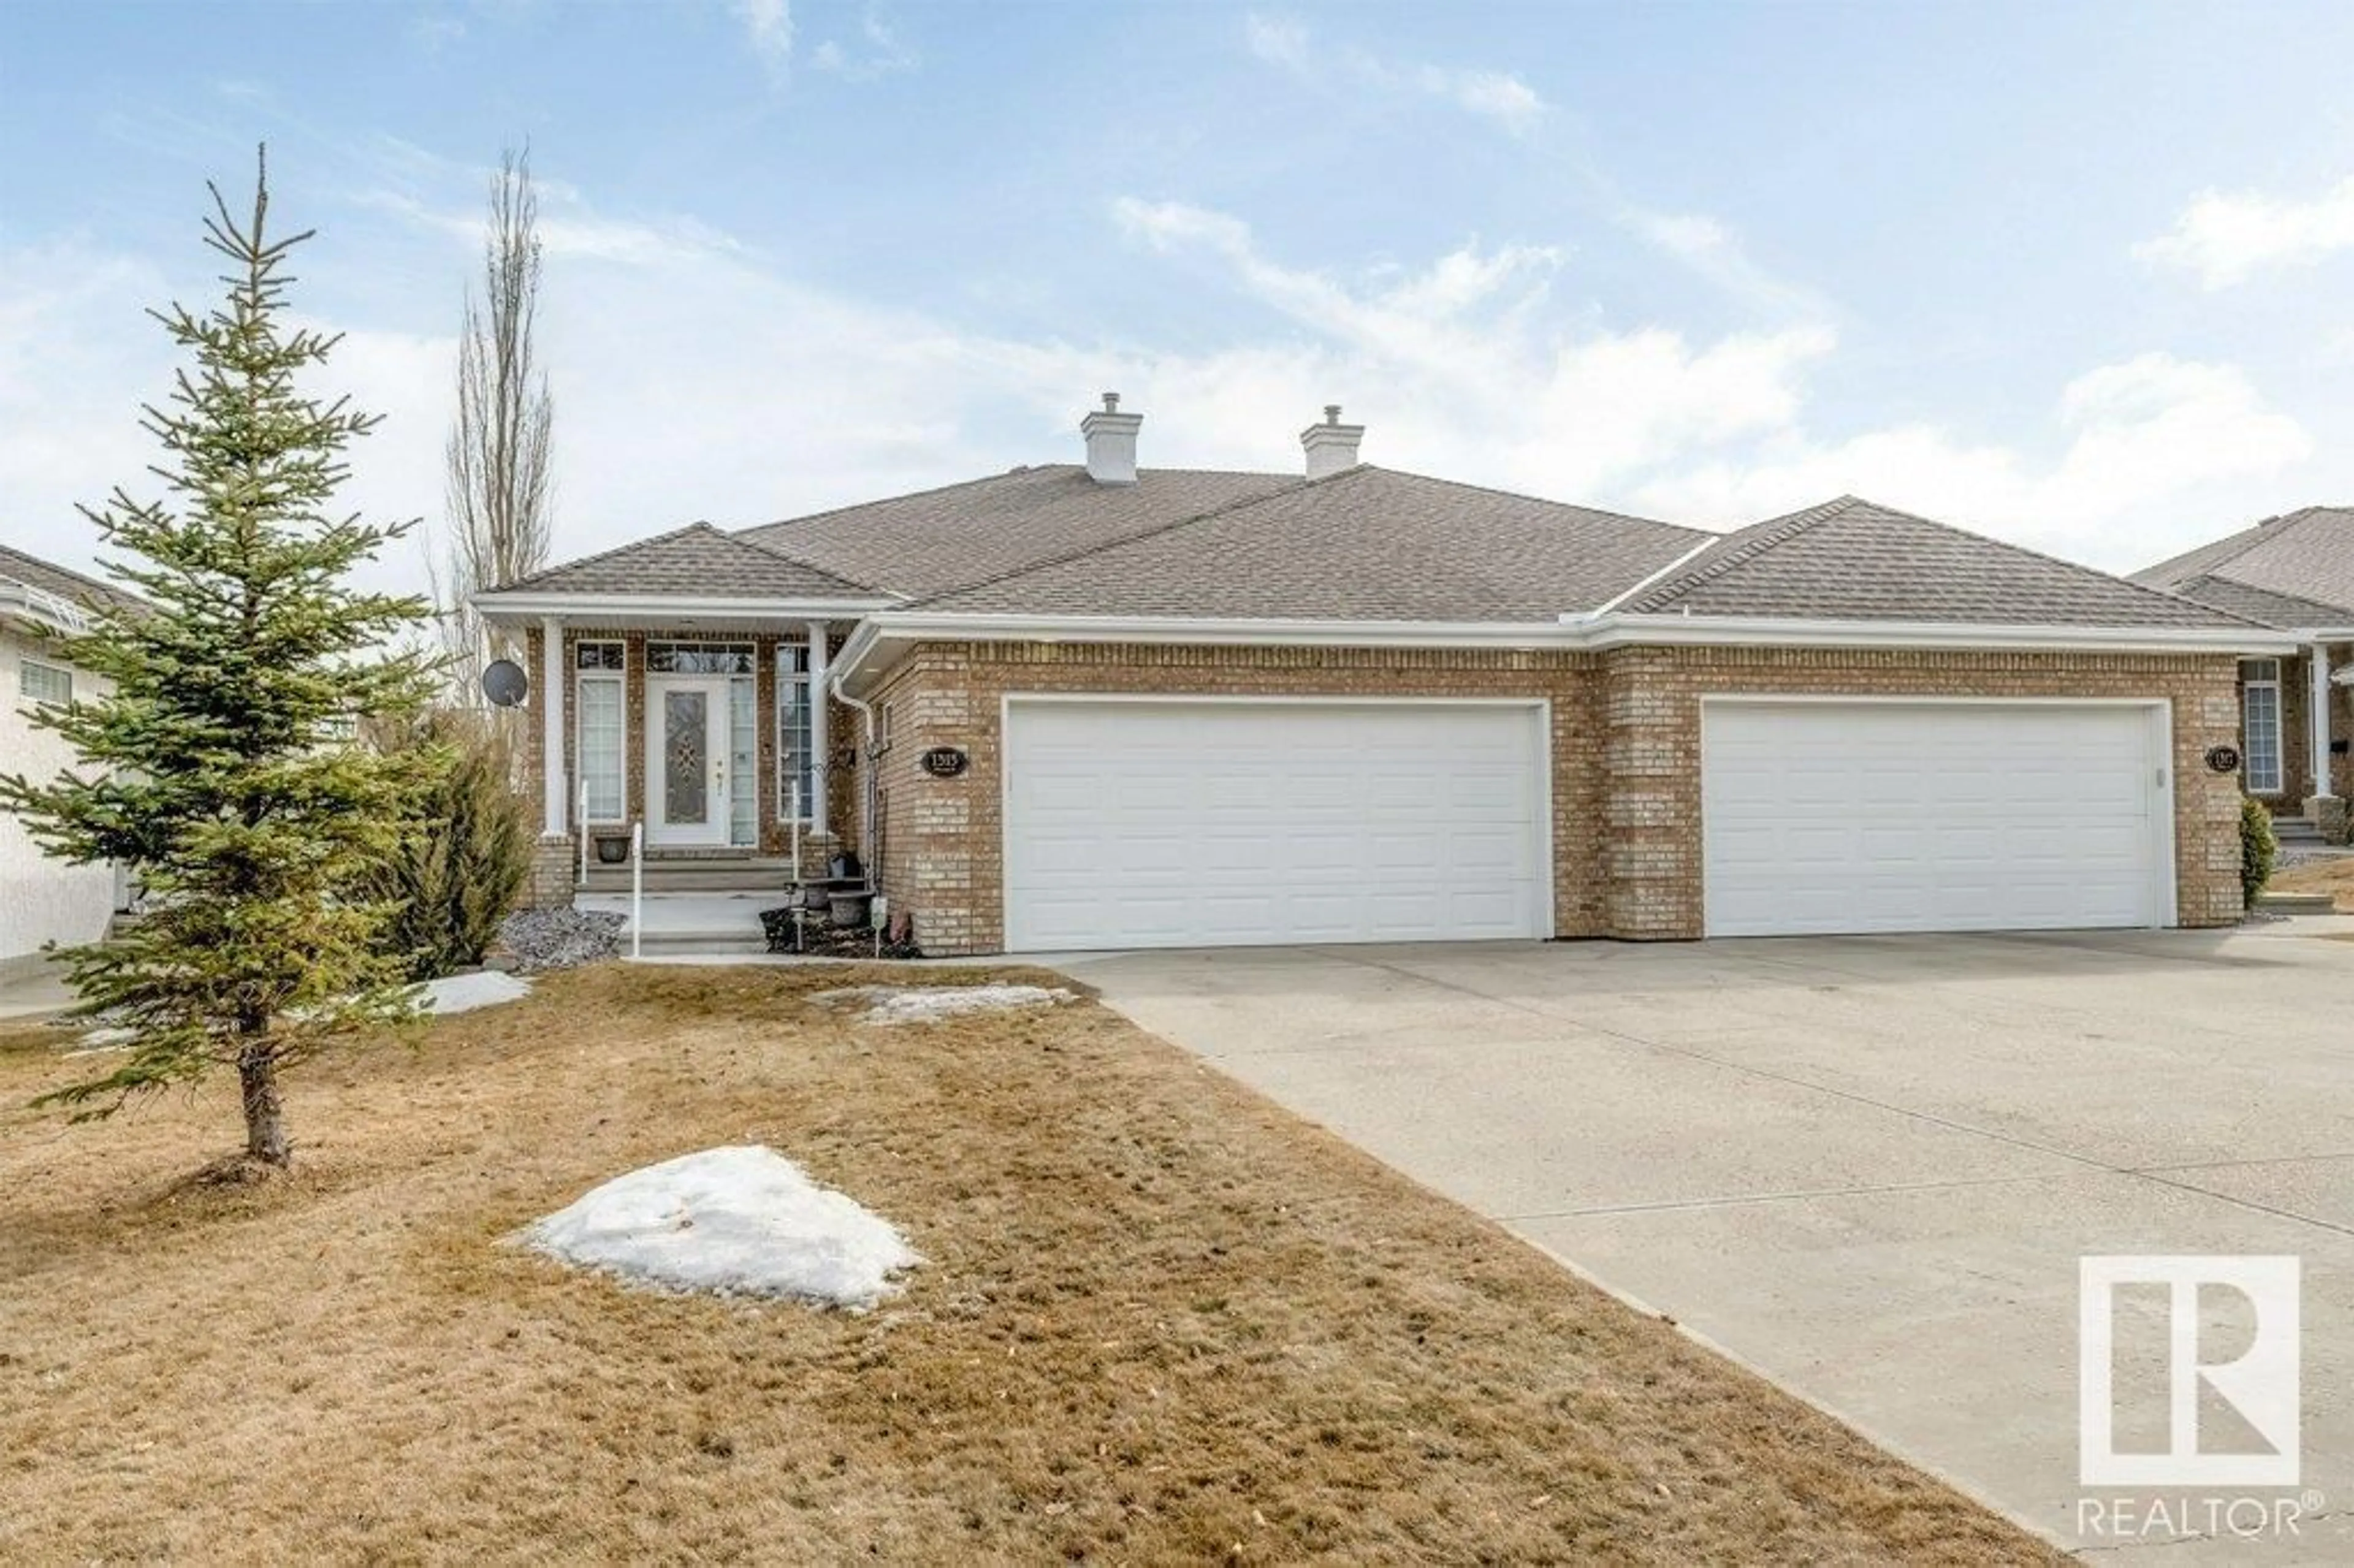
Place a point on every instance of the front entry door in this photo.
(687, 760)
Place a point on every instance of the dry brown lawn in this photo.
(2335, 876)
(1161, 1321)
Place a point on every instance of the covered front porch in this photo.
(712, 750)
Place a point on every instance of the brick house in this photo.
(2294, 573)
(1094, 705)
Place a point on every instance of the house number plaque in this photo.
(944, 761)
(2223, 758)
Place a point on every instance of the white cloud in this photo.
(768, 27)
(1470, 379)
(2137, 439)
(2227, 237)
(1496, 96)
(738, 393)
(880, 52)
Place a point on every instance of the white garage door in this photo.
(1837, 816)
(1212, 823)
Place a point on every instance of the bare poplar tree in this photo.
(497, 482)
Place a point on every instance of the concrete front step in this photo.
(717, 922)
(2297, 904)
(728, 875)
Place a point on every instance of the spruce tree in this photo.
(222, 766)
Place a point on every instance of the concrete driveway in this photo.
(1868, 1167)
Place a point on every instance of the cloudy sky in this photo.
(2081, 275)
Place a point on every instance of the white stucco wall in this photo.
(41, 900)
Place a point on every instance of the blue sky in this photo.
(2077, 276)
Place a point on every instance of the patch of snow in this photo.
(931, 1003)
(464, 993)
(742, 1221)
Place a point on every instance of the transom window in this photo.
(2260, 726)
(49, 683)
(699, 658)
(597, 656)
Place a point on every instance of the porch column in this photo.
(2318, 719)
(553, 811)
(817, 729)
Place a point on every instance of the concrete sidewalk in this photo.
(1867, 1167)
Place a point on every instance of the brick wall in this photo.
(1626, 745)
(1653, 723)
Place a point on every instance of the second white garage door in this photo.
(1214, 823)
(1823, 817)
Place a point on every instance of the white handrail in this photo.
(637, 885)
(794, 811)
(580, 824)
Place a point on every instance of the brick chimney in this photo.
(1111, 443)
(1331, 447)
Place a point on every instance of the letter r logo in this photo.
(2262, 1384)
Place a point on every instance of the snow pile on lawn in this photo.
(931, 1003)
(464, 993)
(741, 1221)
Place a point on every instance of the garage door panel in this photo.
(1943, 817)
(1218, 822)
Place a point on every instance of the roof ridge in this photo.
(599, 555)
(2304, 601)
(904, 495)
(1015, 472)
(701, 526)
(1068, 557)
(763, 548)
(1538, 500)
(81, 577)
(1771, 532)
(2046, 556)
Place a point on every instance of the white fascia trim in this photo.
(2324, 633)
(1670, 631)
(609, 606)
(890, 627)
(1599, 632)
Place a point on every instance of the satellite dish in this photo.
(505, 683)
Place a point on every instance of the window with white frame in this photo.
(795, 765)
(602, 696)
(2260, 726)
(49, 683)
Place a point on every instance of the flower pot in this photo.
(850, 909)
(612, 849)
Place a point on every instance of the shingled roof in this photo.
(16, 567)
(1851, 559)
(2302, 559)
(938, 540)
(1368, 543)
(697, 559)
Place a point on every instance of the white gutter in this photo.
(1703, 630)
(1597, 632)
(611, 606)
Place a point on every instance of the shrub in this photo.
(458, 872)
(2258, 849)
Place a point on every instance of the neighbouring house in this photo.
(42, 899)
(2294, 573)
(1095, 704)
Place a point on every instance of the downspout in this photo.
(867, 841)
